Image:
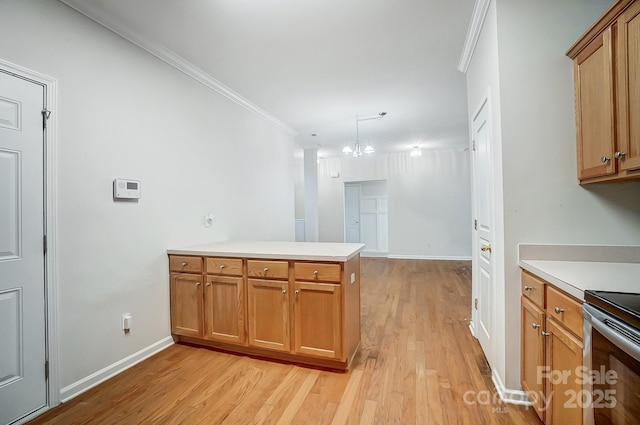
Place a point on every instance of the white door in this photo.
(22, 288)
(374, 223)
(352, 213)
(483, 276)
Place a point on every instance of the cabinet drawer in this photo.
(224, 266)
(565, 310)
(533, 288)
(317, 272)
(268, 269)
(179, 263)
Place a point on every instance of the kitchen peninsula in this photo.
(289, 301)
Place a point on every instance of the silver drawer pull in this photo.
(284, 291)
(197, 283)
(605, 159)
(296, 292)
(527, 288)
(184, 264)
(221, 266)
(315, 272)
(619, 154)
(208, 284)
(545, 333)
(558, 310)
(266, 269)
(535, 326)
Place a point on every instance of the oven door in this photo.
(612, 369)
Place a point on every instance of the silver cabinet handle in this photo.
(545, 333)
(296, 292)
(266, 269)
(221, 266)
(558, 310)
(535, 326)
(604, 159)
(619, 154)
(527, 288)
(284, 291)
(208, 284)
(197, 283)
(315, 272)
(184, 264)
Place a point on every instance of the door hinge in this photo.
(475, 224)
(475, 303)
(473, 145)
(45, 117)
(44, 244)
(46, 369)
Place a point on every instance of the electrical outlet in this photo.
(126, 322)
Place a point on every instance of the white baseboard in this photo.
(472, 328)
(374, 254)
(508, 395)
(429, 257)
(78, 387)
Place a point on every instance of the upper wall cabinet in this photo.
(607, 93)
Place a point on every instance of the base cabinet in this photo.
(551, 351)
(292, 310)
(317, 308)
(224, 308)
(269, 314)
(187, 304)
(533, 347)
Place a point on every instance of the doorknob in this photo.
(485, 248)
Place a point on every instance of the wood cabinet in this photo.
(187, 304)
(292, 310)
(317, 308)
(269, 314)
(532, 349)
(607, 96)
(224, 309)
(551, 351)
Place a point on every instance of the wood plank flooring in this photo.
(416, 363)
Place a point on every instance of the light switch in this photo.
(208, 220)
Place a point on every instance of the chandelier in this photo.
(357, 150)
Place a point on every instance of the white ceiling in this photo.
(316, 64)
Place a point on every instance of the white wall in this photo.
(123, 113)
(542, 201)
(429, 200)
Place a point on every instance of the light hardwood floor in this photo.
(415, 365)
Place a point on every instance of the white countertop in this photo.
(313, 251)
(575, 277)
(575, 269)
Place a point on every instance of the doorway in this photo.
(366, 216)
(28, 385)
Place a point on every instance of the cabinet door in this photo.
(186, 304)
(593, 73)
(224, 306)
(563, 386)
(318, 319)
(532, 354)
(628, 88)
(269, 314)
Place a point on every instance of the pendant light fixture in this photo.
(357, 150)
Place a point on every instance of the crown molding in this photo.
(176, 61)
(480, 10)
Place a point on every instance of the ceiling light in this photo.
(415, 151)
(357, 149)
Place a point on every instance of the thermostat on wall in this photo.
(126, 189)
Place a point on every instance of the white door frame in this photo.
(475, 252)
(50, 276)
